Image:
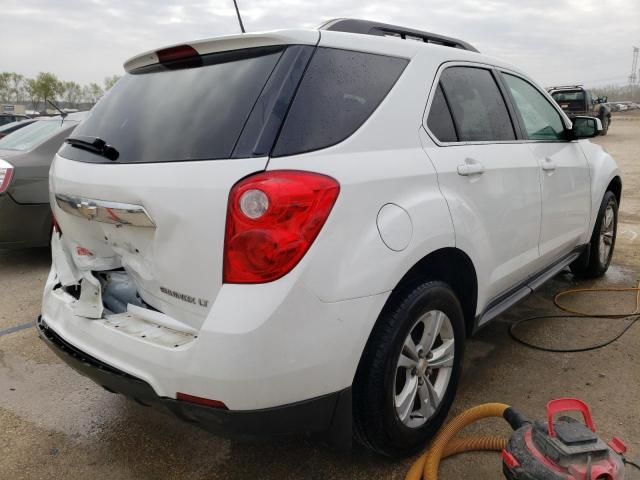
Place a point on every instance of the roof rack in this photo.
(565, 87)
(366, 27)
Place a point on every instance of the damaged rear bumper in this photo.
(330, 414)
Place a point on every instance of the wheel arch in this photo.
(615, 186)
(452, 266)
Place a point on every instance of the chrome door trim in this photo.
(104, 211)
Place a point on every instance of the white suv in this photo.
(296, 230)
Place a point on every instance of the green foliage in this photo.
(16, 88)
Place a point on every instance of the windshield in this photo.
(31, 135)
(162, 113)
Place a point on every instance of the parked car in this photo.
(25, 159)
(11, 117)
(309, 251)
(13, 126)
(576, 100)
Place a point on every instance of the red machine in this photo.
(564, 449)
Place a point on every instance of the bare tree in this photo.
(16, 87)
(110, 81)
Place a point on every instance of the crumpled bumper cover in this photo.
(329, 413)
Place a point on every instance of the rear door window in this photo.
(165, 113)
(440, 121)
(338, 93)
(479, 110)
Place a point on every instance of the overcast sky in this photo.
(556, 41)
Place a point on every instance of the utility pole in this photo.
(633, 78)
(235, 4)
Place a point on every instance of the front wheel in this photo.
(409, 372)
(603, 240)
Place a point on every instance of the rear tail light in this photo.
(54, 223)
(6, 173)
(272, 220)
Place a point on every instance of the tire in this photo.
(381, 382)
(603, 236)
(605, 125)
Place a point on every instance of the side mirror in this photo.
(585, 127)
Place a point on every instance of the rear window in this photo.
(338, 93)
(28, 137)
(166, 113)
(577, 96)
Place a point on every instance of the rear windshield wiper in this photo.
(94, 145)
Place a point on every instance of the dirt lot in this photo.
(56, 424)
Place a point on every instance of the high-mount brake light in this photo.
(272, 220)
(6, 173)
(179, 52)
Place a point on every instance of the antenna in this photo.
(62, 113)
(235, 4)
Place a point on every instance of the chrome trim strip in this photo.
(105, 212)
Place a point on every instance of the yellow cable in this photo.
(444, 445)
(574, 291)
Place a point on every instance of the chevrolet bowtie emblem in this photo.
(87, 210)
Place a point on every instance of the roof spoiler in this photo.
(365, 27)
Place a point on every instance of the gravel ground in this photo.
(56, 424)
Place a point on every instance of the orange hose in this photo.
(446, 444)
(573, 291)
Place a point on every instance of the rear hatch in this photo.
(143, 183)
(571, 101)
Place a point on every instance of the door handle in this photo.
(470, 167)
(548, 165)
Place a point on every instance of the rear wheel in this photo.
(409, 372)
(605, 125)
(603, 240)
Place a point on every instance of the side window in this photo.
(338, 93)
(439, 121)
(479, 111)
(541, 120)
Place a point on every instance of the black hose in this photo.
(634, 316)
(589, 348)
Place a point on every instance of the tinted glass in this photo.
(440, 122)
(171, 112)
(10, 127)
(32, 135)
(541, 120)
(568, 96)
(338, 92)
(478, 108)
(4, 119)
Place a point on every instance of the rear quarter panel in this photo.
(382, 162)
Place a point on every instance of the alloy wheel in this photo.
(424, 368)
